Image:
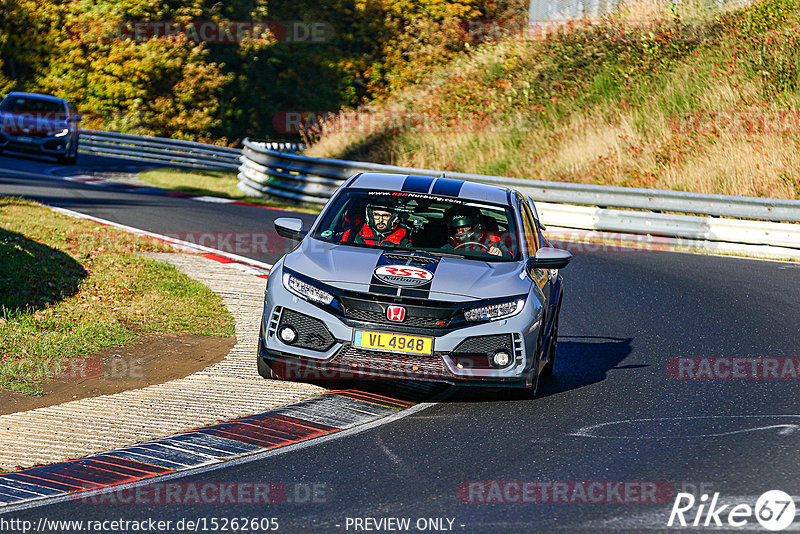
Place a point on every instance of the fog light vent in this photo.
(288, 334)
(500, 359)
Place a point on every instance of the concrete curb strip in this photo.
(226, 390)
(208, 447)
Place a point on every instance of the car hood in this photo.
(454, 279)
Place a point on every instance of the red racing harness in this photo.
(368, 235)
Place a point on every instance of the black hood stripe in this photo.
(379, 286)
(417, 184)
(447, 187)
(376, 285)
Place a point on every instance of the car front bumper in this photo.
(48, 145)
(325, 349)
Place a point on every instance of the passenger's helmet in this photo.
(459, 218)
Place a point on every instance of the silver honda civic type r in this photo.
(415, 277)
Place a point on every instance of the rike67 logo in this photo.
(774, 510)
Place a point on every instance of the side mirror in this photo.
(290, 228)
(549, 258)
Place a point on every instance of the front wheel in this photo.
(552, 344)
(68, 159)
(265, 370)
(531, 391)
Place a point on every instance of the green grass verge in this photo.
(69, 287)
(213, 183)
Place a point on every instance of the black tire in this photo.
(70, 159)
(530, 392)
(265, 370)
(552, 344)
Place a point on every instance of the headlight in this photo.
(60, 133)
(495, 311)
(307, 291)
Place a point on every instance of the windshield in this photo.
(393, 220)
(20, 104)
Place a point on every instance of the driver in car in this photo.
(466, 234)
(382, 226)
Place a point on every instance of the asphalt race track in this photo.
(614, 412)
(191, 220)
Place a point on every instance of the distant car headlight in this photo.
(305, 290)
(60, 133)
(495, 311)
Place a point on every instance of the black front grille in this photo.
(371, 311)
(368, 316)
(54, 144)
(393, 365)
(484, 346)
(36, 133)
(311, 333)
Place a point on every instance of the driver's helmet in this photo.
(460, 218)
(382, 204)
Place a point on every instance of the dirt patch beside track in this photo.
(153, 360)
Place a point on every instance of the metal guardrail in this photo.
(295, 177)
(167, 151)
(542, 12)
(266, 172)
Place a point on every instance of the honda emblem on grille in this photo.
(396, 313)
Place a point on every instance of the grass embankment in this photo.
(684, 97)
(212, 183)
(69, 287)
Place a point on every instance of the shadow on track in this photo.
(580, 361)
(585, 360)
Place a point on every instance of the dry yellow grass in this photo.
(759, 166)
(687, 128)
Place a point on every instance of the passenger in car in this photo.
(382, 226)
(468, 233)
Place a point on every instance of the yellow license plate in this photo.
(393, 342)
